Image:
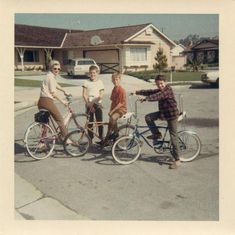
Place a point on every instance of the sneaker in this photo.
(105, 143)
(175, 165)
(114, 136)
(99, 142)
(155, 136)
(41, 147)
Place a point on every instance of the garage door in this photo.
(108, 60)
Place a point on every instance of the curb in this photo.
(24, 105)
(32, 204)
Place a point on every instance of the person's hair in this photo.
(53, 63)
(116, 74)
(93, 67)
(160, 77)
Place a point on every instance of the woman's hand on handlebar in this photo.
(67, 94)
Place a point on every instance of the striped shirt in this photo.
(167, 104)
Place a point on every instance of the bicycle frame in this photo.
(140, 134)
(94, 124)
(55, 127)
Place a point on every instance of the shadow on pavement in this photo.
(100, 156)
(160, 159)
(19, 148)
(202, 122)
(203, 86)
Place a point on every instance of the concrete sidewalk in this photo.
(31, 204)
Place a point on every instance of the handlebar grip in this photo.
(69, 98)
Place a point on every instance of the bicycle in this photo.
(46, 132)
(82, 139)
(127, 149)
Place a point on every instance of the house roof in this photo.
(108, 36)
(206, 44)
(26, 35)
(34, 36)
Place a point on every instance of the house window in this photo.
(30, 56)
(138, 54)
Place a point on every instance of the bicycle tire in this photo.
(80, 143)
(126, 150)
(39, 147)
(71, 126)
(189, 145)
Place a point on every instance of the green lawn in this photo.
(176, 76)
(184, 76)
(34, 83)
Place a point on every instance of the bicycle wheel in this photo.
(39, 140)
(81, 119)
(126, 150)
(80, 143)
(189, 145)
(126, 130)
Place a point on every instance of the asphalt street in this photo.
(94, 187)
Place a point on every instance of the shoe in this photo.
(175, 164)
(99, 142)
(42, 147)
(105, 143)
(113, 136)
(155, 136)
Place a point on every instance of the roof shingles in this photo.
(26, 35)
(109, 36)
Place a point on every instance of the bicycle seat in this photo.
(44, 110)
(181, 116)
(127, 116)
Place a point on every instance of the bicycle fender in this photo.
(188, 131)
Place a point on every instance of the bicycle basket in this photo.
(42, 116)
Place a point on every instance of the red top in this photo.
(119, 96)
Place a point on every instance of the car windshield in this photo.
(85, 62)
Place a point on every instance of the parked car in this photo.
(211, 77)
(80, 66)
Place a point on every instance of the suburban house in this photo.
(121, 49)
(204, 52)
(178, 58)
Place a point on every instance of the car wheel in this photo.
(217, 82)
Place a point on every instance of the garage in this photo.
(107, 59)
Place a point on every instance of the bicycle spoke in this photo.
(39, 140)
(126, 150)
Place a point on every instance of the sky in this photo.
(175, 26)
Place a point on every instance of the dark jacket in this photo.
(166, 101)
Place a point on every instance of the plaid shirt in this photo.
(166, 101)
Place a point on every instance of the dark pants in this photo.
(99, 118)
(172, 125)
